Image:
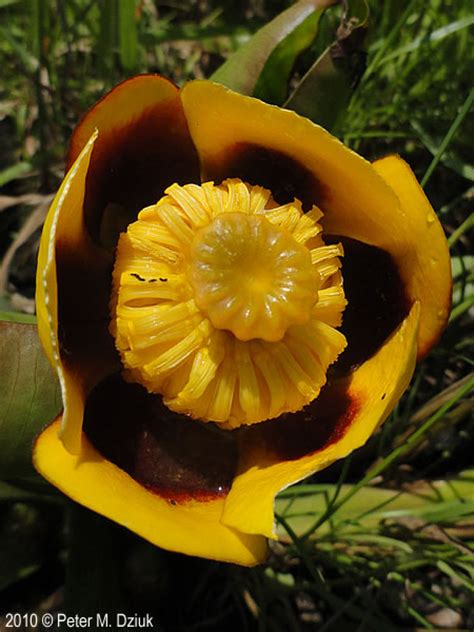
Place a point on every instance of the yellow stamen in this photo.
(225, 303)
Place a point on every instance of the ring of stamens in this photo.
(226, 304)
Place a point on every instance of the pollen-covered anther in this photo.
(227, 304)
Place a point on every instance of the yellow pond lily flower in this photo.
(232, 301)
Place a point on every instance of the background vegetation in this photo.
(382, 541)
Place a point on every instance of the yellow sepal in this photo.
(423, 260)
(64, 220)
(193, 528)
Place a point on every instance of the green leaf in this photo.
(449, 158)
(7, 3)
(29, 398)
(463, 276)
(26, 59)
(242, 70)
(272, 85)
(95, 561)
(29, 493)
(324, 92)
(450, 134)
(459, 577)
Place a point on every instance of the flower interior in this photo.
(227, 304)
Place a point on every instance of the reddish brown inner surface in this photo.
(285, 177)
(377, 301)
(83, 297)
(180, 459)
(292, 436)
(133, 164)
(173, 456)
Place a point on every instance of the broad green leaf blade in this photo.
(325, 90)
(272, 85)
(242, 70)
(29, 398)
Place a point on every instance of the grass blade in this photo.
(449, 136)
(128, 37)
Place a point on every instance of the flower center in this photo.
(226, 304)
(251, 277)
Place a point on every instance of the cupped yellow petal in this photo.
(193, 528)
(280, 453)
(424, 260)
(64, 231)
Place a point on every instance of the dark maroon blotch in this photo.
(134, 165)
(173, 456)
(86, 346)
(258, 165)
(295, 435)
(377, 301)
